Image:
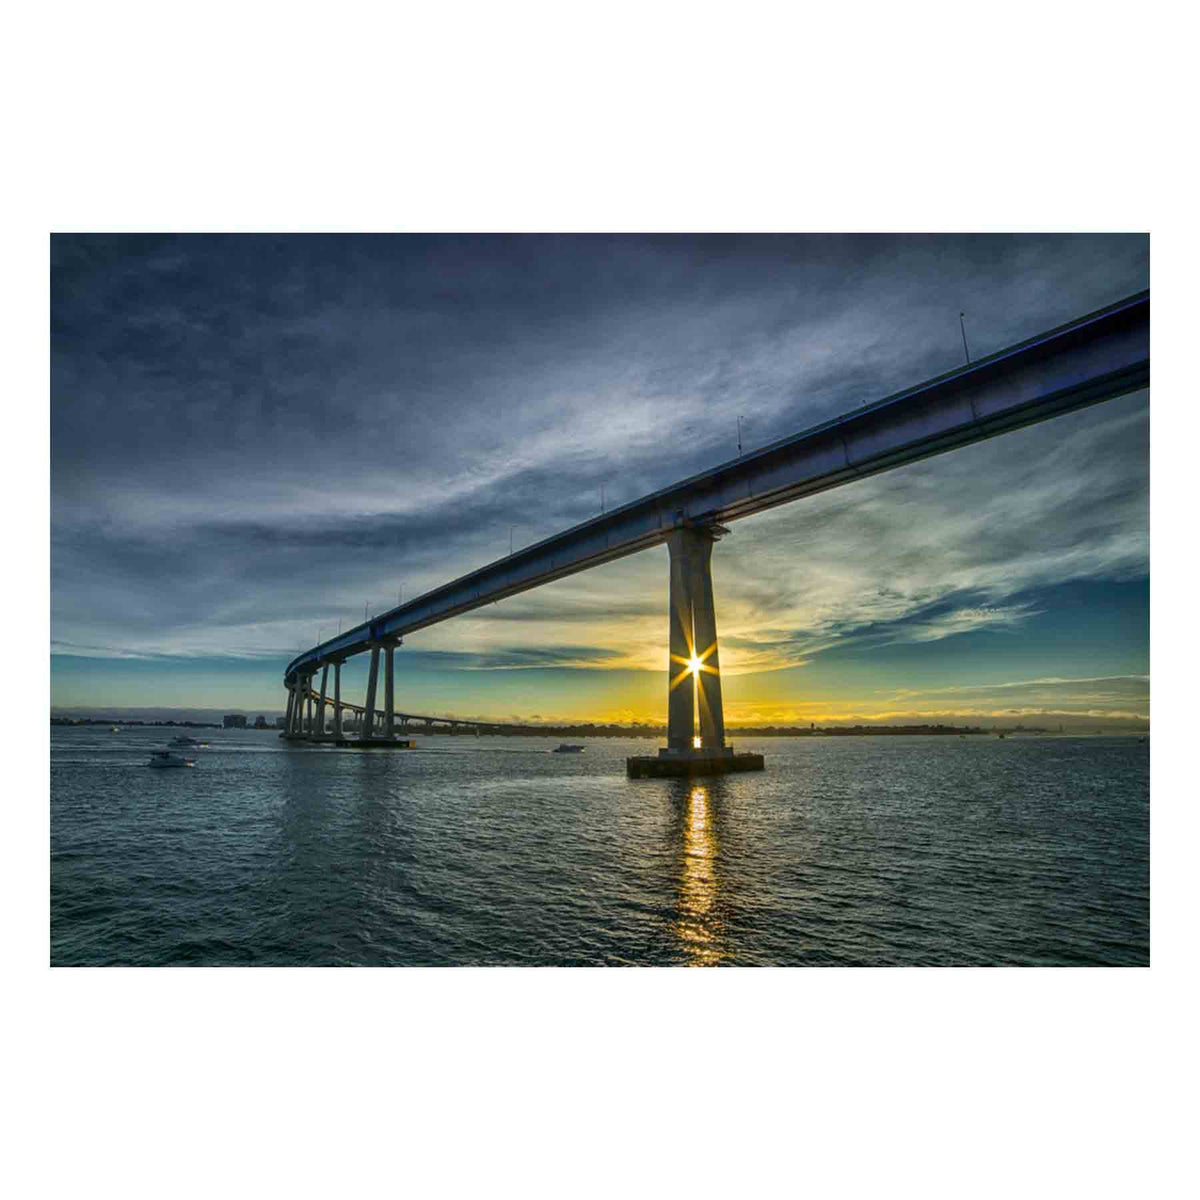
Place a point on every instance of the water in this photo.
(864, 851)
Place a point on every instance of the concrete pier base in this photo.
(674, 764)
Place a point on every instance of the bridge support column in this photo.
(693, 636)
(681, 713)
(694, 669)
(389, 692)
(368, 727)
(337, 699)
(704, 634)
(287, 722)
(308, 681)
(321, 702)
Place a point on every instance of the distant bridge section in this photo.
(1094, 358)
(405, 718)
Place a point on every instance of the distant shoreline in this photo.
(131, 724)
(659, 732)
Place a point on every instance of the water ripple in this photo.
(848, 851)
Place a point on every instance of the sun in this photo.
(694, 665)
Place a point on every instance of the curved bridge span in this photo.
(313, 697)
(1092, 359)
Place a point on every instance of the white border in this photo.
(540, 117)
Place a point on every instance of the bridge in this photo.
(1087, 361)
(317, 726)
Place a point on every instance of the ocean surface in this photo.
(850, 851)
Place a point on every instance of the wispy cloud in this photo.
(252, 440)
(1136, 683)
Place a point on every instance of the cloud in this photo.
(1127, 696)
(251, 438)
(1136, 683)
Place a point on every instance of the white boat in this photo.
(184, 740)
(168, 758)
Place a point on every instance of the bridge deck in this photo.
(1094, 358)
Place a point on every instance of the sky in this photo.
(256, 438)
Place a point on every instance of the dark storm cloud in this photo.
(251, 432)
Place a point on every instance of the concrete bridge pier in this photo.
(694, 668)
(337, 699)
(301, 691)
(704, 634)
(681, 709)
(368, 720)
(375, 727)
(693, 637)
(321, 702)
(299, 715)
(389, 691)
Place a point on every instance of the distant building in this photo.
(260, 722)
(234, 721)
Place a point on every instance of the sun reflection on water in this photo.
(698, 926)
